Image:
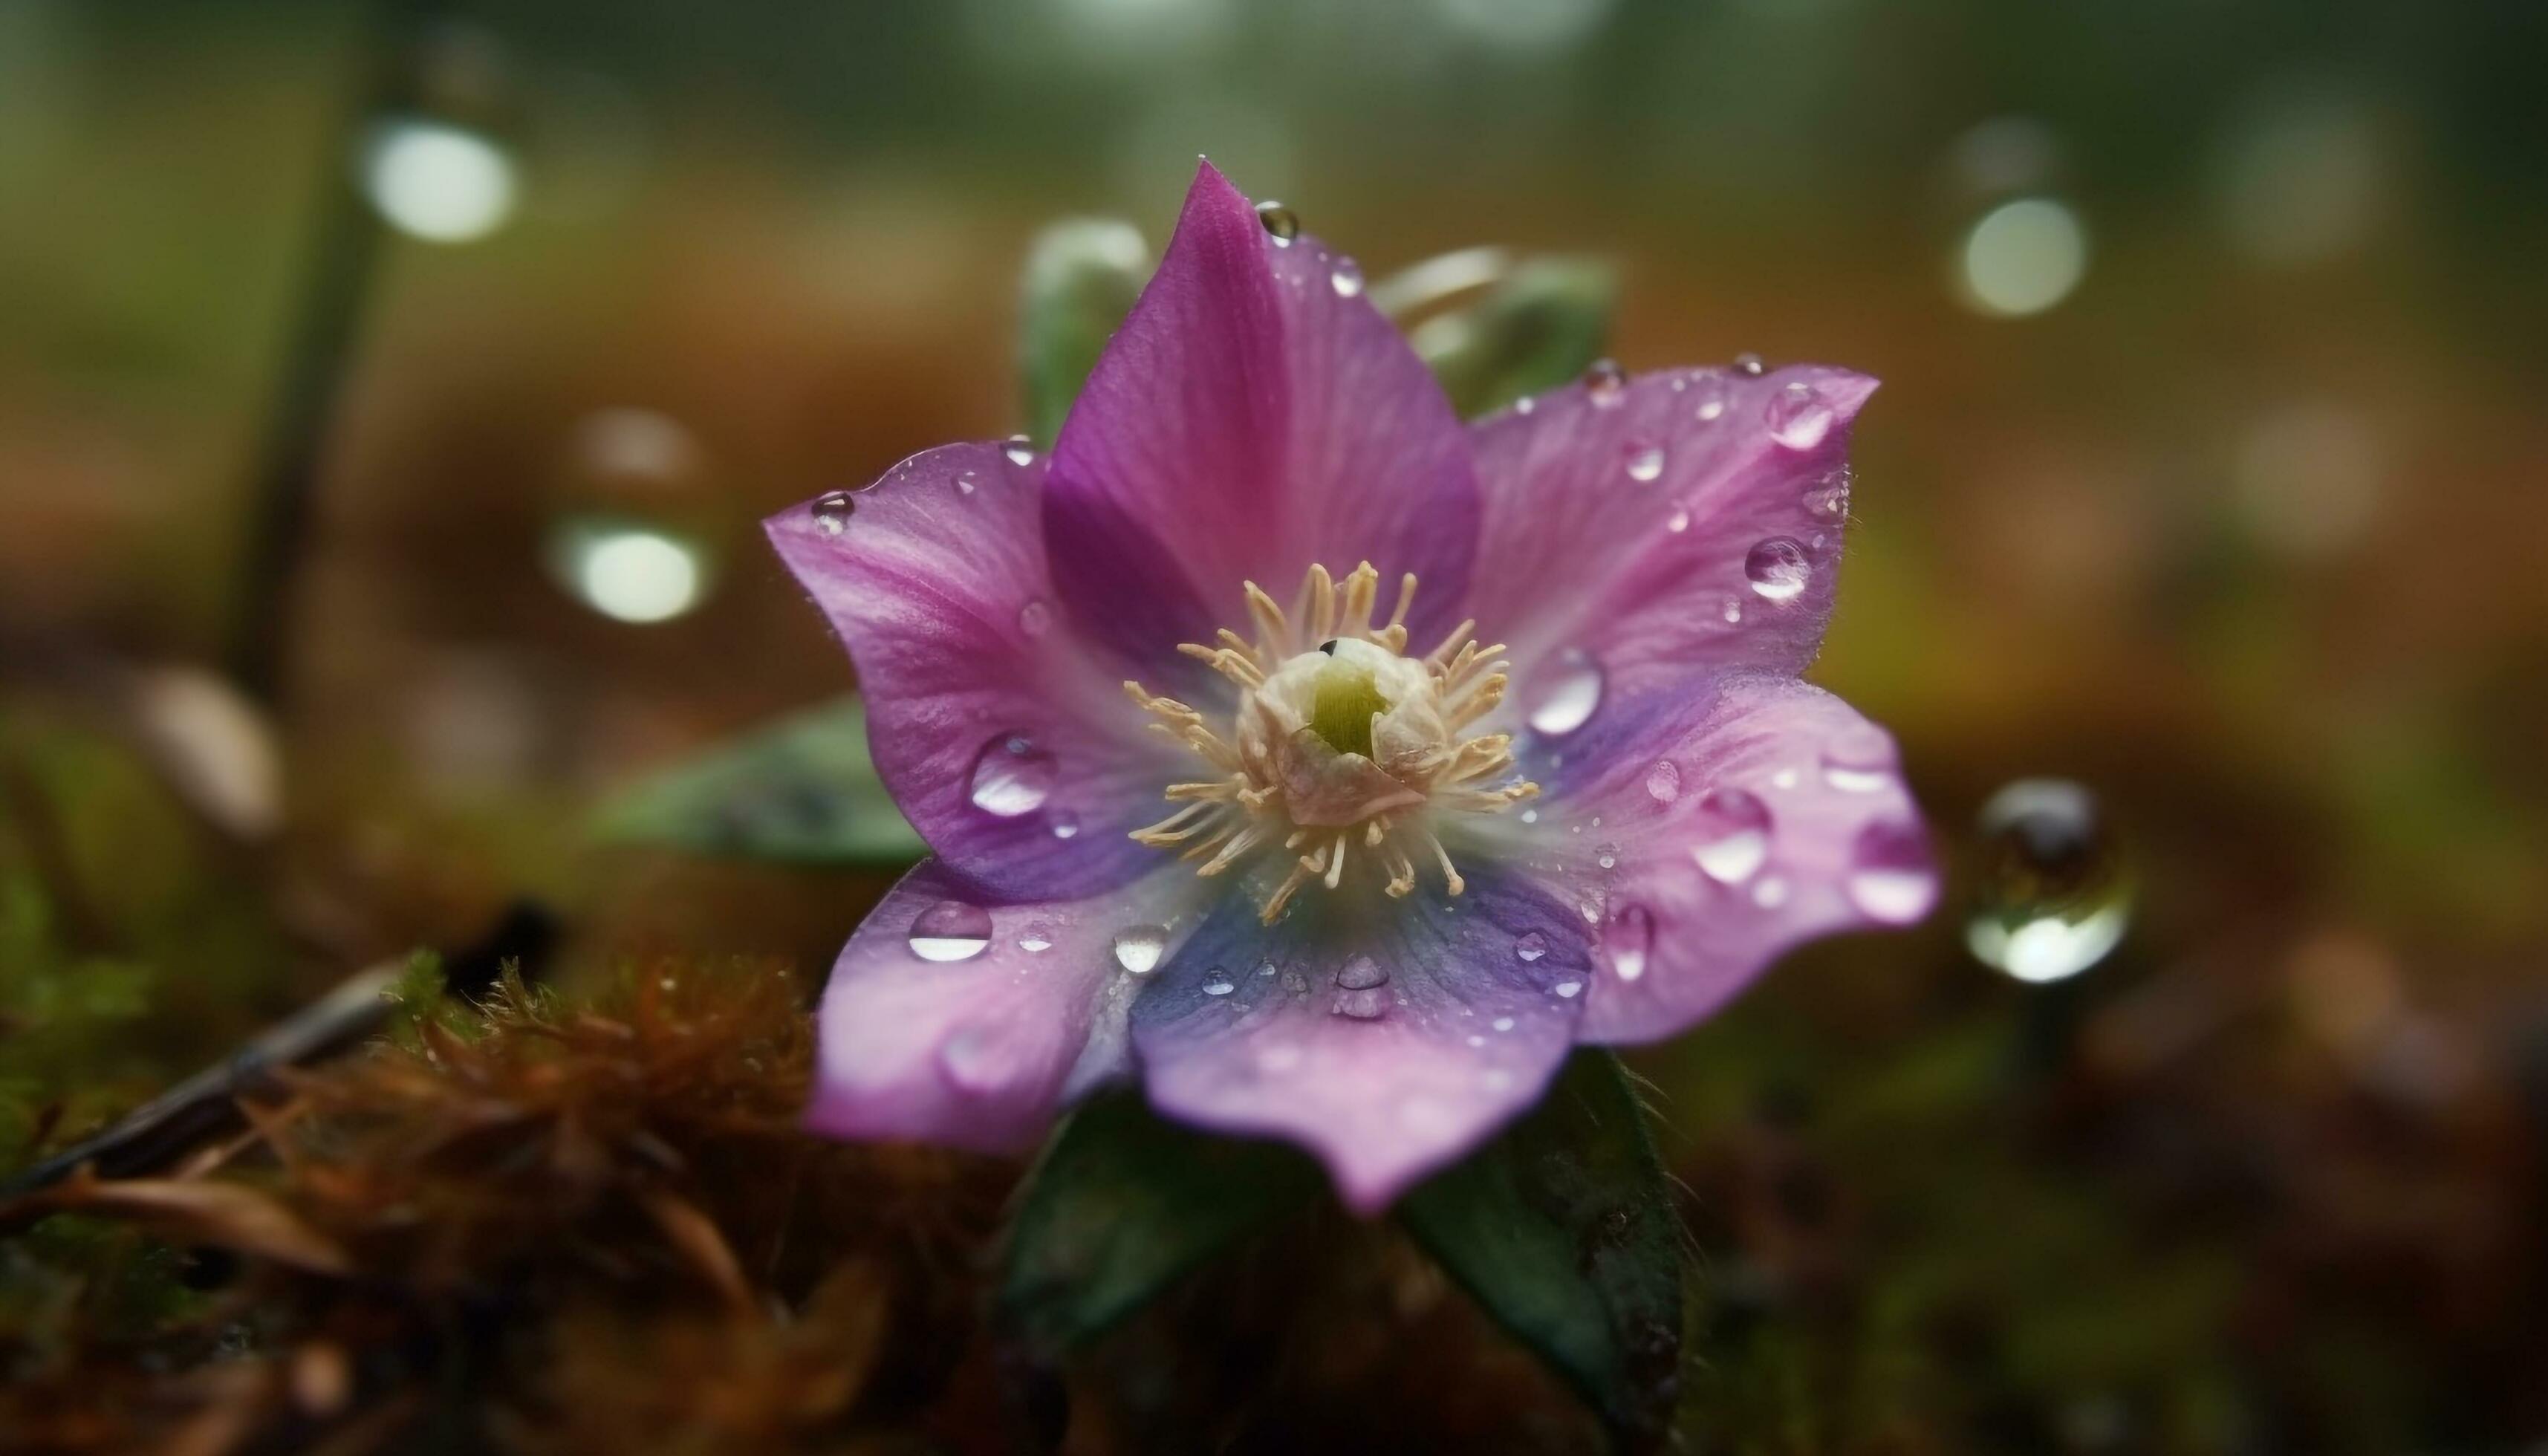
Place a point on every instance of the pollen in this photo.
(1340, 748)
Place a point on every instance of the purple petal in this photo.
(949, 1018)
(1252, 417)
(1717, 824)
(1388, 1039)
(1685, 520)
(1008, 746)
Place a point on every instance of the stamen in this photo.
(1297, 761)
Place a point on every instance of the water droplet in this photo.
(1663, 782)
(1035, 939)
(1677, 523)
(1606, 855)
(1036, 617)
(1367, 1004)
(1859, 760)
(832, 510)
(1530, 816)
(1011, 776)
(966, 484)
(1709, 392)
(1296, 983)
(2056, 893)
(1732, 610)
(1475, 1041)
(1828, 499)
(1066, 826)
(1734, 834)
(1569, 691)
(1138, 947)
(1219, 984)
(1748, 363)
(1361, 973)
(1503, 1022)
(1346, 279)
(1525, 405)
(1786, 778)
(1606, 384)
(970, 1058)
(1769, 892)
(439, 182)
(1776, 569)
(950, 929)
(1568, 990)
(1629, 939)
(1019, 449)
(1281, 222)
(1798, 415)
(1645, 462)
(1529, 946)
(1891, 879)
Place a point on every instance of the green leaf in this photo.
(1082, 275)
(1122, 1205)
(1563, 1229)
(1539, 323)
(799, 792)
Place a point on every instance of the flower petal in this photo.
(1388, 1042)
(1739, 814)
(949, 1018)
(1252, 417)
(1004, 741)
(1683, 519)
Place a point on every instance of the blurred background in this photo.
(389, 395)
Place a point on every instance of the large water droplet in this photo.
(1798, 415)
(1733, 835)
(832, 510)
(1361, 973)
(1645, 462)
(1220, 983)
(1663, 782)
(1019, 449)
(1011, 776)
(1367, 1004)
(1606, 384)
(1629, 939)
(1859, 760)
(1890, 877)
(950, 929)
(1529, 946)
(1346, 278)
(1568, 990)
(1138, 947)
(1776, 569)
(1281, 222)
(1748, 364)
(2056, 893)
(1569, 688)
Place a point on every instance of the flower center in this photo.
(1339, 741)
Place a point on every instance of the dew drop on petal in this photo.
(1747, 364)
(1036, 617)
(1859, 760)
(2056, 894)
(1296, 983)
(1569, 990)
(1035, 939)
(1019, 449)
(1890, 877)
(1529, 946)
(832, 510)
(1606, 384)
(1776, 569)
(970, 1058)
(1734, 834)
(1369, 1003)
(1828, 499)
(1346, 278)
(1503, 1022)
(950, 929)
(1645, 462)
(1220, 983)
(1798, 415)
(1769, 892)
(1568, 693)
(1663, 782)
(1011, 776)
(966, 484)
(1361, 973)
(1066, 826)
(1606, 855)
(1677, 523)
(1138, 947)
(1709, 392)
(1629, 939)
(1281, 223)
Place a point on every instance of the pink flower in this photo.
(1354, 862)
